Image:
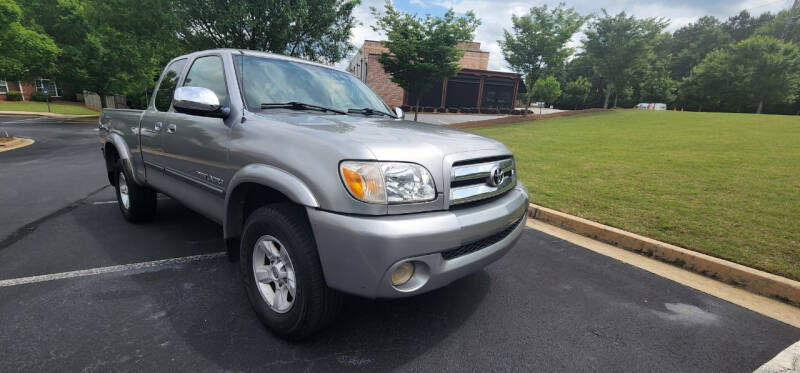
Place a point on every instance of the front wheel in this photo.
(282, 273)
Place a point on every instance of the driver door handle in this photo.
(157, 127)
(171, 128)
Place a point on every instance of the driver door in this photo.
(196, 146)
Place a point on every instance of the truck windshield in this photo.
(269, 81)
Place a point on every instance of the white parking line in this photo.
(111, 269)
(115, 201)
(786, 361)
(104, 202)
(22, 121)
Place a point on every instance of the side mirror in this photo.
(399, 112)
(198, 101)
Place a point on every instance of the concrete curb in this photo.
(16, 143)
(750, 279)
(47, 115)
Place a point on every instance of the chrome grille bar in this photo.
(471, 182)
(480, 170)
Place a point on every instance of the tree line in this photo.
(745, 63)
(121, 46)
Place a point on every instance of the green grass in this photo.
(727, 185)
(70, 108)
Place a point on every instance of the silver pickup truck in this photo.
(319, 186)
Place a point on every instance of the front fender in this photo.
(272, 177)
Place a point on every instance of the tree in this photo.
(758, 70)
(109, 46)
(422, 50)
(782, 27)
(546, 90)
(617, 45)
(537, 42)
(657, 85)
(27, 52)
(317, 30)
(691, 43)
(576, 92)
(771, 67)
(743, 25)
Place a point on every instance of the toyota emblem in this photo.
(496, 177)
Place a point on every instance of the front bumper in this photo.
(357, 253)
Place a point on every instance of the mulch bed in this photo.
(511, 119)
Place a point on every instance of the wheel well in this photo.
(111, 156)
(244, 199)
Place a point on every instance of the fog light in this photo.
(402, 273)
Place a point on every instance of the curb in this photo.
(750, 279)
(515, 119)
(47, 115)
(16, 143)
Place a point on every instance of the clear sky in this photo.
(496, 15)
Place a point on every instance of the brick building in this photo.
(475, 86)
(27, 88)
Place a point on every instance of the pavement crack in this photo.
(31, 227)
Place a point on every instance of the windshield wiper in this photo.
(368, 111)
(294, 105)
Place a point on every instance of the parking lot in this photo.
(84, 290)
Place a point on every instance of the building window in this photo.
(3, 86)
(49, 85)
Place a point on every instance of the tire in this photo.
(283, 229)
(137, 203)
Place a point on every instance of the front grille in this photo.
(481, 178)
(480, 244)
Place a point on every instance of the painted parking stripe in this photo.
(786, 361)
(115, 201)
(23, 121)
(111, 269)
(104, 202)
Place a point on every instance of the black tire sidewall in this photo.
(269, 221)
(125, 212)
(142, 200)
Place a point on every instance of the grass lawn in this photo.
(727, 185)
(71, 108)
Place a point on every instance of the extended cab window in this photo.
(207, 72)
(169, 82)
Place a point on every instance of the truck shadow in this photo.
(212, 315)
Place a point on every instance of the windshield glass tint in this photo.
(265, 80)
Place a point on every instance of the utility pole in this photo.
(790, 20)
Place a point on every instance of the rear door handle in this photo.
(171, 128)
(157, 126)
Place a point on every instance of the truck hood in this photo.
(390, 139)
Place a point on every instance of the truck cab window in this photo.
(169, 82)
(207, 72)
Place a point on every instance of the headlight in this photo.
(388, 182)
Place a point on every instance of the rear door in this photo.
(152, 127)
(196, 147)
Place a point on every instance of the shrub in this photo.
(39, 96)
(14, 96)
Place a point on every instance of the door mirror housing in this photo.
(399, 112)
(198, 101)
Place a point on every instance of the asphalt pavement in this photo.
(61, 167)
(548, 305)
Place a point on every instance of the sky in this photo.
(496, 15)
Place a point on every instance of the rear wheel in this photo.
(137, 203)
(282, 273)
